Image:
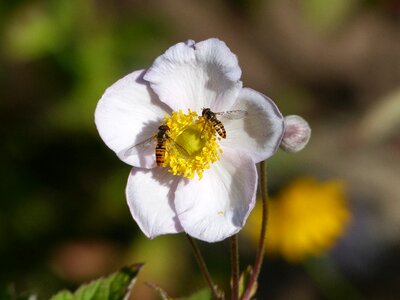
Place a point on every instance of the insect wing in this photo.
(232, 114)
(134, 150)
(182, 151)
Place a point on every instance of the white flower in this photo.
(209, 191)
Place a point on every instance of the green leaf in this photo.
(63, 295)
(244, 281)
(114, 287)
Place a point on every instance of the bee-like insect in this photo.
(162, 136)
(211, 118)
(158, 141)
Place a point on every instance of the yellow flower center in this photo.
(192, 145)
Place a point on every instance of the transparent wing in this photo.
(232, 114)
(179, 148)
(135, 149)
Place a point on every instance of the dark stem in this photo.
(261, 244)
(203, 267)
(235, 267)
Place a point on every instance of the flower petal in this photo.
(259, 134)
(189, 75)
(150, 195)
(217, 206)
(127, 114)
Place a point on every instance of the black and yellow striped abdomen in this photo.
(162, 137)
(160, 153)
(219, 127)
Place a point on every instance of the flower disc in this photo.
(192, 145)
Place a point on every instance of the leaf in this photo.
(117, 286)
(63, 295)
(244, 281)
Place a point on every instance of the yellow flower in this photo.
(305, 219)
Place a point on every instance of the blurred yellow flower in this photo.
(305, 219)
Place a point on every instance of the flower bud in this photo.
(297, 134)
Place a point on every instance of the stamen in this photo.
(192, 145)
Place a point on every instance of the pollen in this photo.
(192, 145)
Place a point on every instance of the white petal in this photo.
(189, 75)
(127, 114)
(259, 133)
(150, 195)
(217, 206)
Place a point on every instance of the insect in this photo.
(162, 137)
(211, 118)
(159, 141)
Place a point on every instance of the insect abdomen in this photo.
(219, 127)
(160, 154)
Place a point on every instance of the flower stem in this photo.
(261, 244)
(235, 267)
(203, 267)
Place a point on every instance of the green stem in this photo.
(203, 267)
(235, 267)
(261, 243)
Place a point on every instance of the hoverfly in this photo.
(211, 118)
(159, 140)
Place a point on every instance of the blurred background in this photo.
(63, 214)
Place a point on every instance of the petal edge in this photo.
(259, 134)
(127, 114)
(217, 206)
(196, 75)
(150, 197)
